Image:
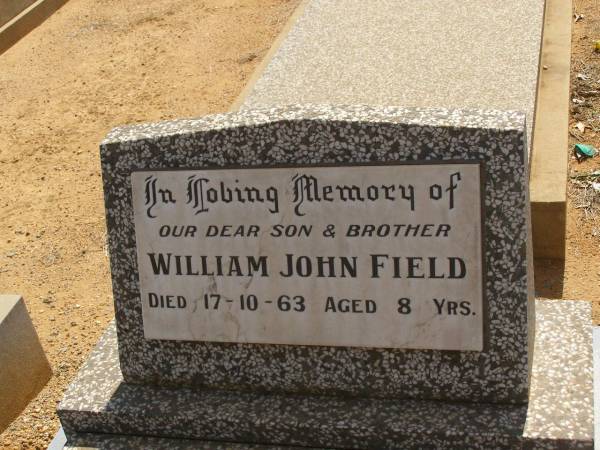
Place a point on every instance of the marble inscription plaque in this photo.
(366, 256)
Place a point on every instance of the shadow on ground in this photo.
(549, 278)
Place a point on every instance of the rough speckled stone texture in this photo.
(426, 53)
(559, 415)
(326, 135)
(596, 344)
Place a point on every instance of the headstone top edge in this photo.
(435, 117)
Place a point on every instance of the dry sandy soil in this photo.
(94, 65)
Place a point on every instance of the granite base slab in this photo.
(559, 414)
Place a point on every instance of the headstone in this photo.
(378, 256)
(393, 236)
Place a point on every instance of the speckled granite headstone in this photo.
(489, 363)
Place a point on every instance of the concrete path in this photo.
(440, 53)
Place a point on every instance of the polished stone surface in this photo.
(329, 135)
(383, 256)
(559, 415)
(433, 53)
